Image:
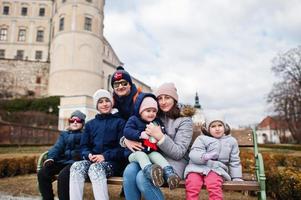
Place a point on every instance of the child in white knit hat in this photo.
(154, 166)
(100, 149)
(214, 157)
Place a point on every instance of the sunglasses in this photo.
(74, 120)
(122, 83)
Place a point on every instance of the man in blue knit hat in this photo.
(125, 92)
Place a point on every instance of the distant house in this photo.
(273, 130)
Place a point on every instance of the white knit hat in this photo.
(101, 93)
(214, 117)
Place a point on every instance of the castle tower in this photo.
(198, 118)
(76, 53)
(197, 102)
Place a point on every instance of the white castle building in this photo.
(56, 47)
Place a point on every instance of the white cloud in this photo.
(220, 49)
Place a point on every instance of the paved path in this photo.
(9, 197)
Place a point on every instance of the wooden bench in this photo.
(253, 182)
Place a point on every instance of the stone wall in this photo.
(19, 78)
(17, 134)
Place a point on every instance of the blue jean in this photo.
(136, 184)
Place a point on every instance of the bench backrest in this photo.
(243, 137)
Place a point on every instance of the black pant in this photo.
(45, 178)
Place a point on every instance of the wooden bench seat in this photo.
(252, 182)
(228, 185)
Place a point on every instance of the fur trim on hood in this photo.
(187, 111)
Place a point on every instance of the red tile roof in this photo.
(272, 123)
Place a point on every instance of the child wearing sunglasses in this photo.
(103, 156)
(60, 157)
(154, 166)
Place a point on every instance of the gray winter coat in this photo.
(228, 164)
(176, 143)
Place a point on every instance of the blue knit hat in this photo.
(121, 74)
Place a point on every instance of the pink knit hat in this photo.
(167, 89)
(148, 102)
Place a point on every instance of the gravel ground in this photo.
(10, 197)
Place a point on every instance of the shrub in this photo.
(17, 166)
(283, 173)
(284, 183)
(23, 104)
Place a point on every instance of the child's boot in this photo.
(155, 173)
(171, 177)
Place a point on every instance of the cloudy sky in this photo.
(222, 49)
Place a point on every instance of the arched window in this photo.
(109, 82)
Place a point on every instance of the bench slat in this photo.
(227, 185)
(243, 185)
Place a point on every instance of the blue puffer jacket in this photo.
(66, 150)
(135, 125)
(102, 135)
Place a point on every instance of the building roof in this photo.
(274, 122)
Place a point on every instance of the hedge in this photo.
(18, 166)
(283, 172)
(26, 104)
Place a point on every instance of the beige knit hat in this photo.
(167, 89)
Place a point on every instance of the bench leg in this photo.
(262, 195)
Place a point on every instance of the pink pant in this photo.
(194, 183)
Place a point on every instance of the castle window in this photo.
(88, 24)
(52, 32)
(3, 34)
(22, 35)
(61, 28)
(2, 53)
(20, 54)
(38, 80)
(63, 1)
(38, 55)
(89, 1)
(24, 11)
(6, 10)
(40, 36)
(42, 12)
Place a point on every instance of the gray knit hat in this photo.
(78, 114)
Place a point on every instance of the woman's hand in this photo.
(155, 131)
(133, 145)
(96, 158)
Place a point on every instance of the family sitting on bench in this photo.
(144, 138)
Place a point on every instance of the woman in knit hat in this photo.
(103, 156)
(125, 92)
(173, 145)
(60, 157)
